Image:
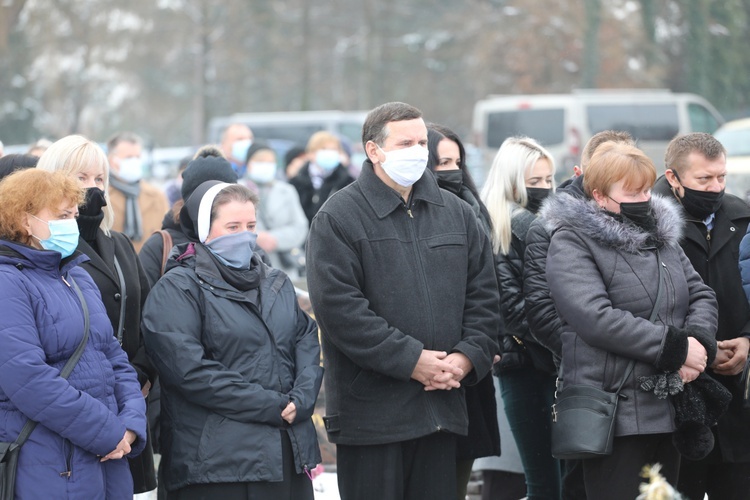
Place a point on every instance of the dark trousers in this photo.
(293, 487)
(528, 395)
(617, 476)
(721, 480)
(423, 468)
(573, 487)
(502, 485)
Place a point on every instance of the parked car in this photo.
(735, 136)
(563, 123)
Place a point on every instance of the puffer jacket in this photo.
(228, 370)
(81, 418)
(510, 269)
(541, 315)
(603, 276)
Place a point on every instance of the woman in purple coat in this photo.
(91, 420)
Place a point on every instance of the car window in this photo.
(645, 122)
(701, 119)
(544, 125)
(296, 133)
(736, 142)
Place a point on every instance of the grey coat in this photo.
(280, 213)
(603, 277)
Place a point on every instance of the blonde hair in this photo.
(320, 139)
(504, 191)
(73, 154)
(613, 162)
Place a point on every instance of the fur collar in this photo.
(584, 216)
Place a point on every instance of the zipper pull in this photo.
(408, 211)
(64, 280)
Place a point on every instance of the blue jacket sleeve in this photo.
(745, 263)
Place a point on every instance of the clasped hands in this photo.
(438, 370)
(123, 447)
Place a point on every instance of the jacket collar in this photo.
(195, 256)
(584, 216)
(732, 210)
(45, 260)
(385, 200)
(104, 259)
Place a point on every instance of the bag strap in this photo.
(166, 248)
(123, 300)
(28, 428)
(652, 317)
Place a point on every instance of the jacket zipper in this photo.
(68, 451)
(415, 243)
(674, 297)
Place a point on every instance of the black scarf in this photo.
(132, 223)
(243, 280)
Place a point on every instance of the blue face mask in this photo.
(327, 159)
(240, 148)
(234, 250)
(63, 236)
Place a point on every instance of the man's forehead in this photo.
(697, 163)
(407, 129)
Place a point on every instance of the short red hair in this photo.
(29, 192)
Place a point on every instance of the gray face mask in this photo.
(234, 250)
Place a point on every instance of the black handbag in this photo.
(9, 451)
(583, 417)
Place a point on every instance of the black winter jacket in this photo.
(312, 199)
(543, 322)
(716, 261)
(386, 281)
(227, 371)
(151, 251)
(509, 268)
(101, 267)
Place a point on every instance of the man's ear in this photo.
(372, 151)
(577, 171)
(671, 178)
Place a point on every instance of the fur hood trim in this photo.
(584, 216)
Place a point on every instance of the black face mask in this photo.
(639, 213)
(450, 180)
(535, 198)
(92, 205)
(699, 204)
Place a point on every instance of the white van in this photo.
(284, 129)
(563, 123)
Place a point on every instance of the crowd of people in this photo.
(449, 317)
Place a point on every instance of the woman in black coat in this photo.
(113, 265)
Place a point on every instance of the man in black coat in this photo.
(402, 282)
(715, 224)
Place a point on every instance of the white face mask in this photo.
(262, 172)
(405, 166)
(131, 169)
